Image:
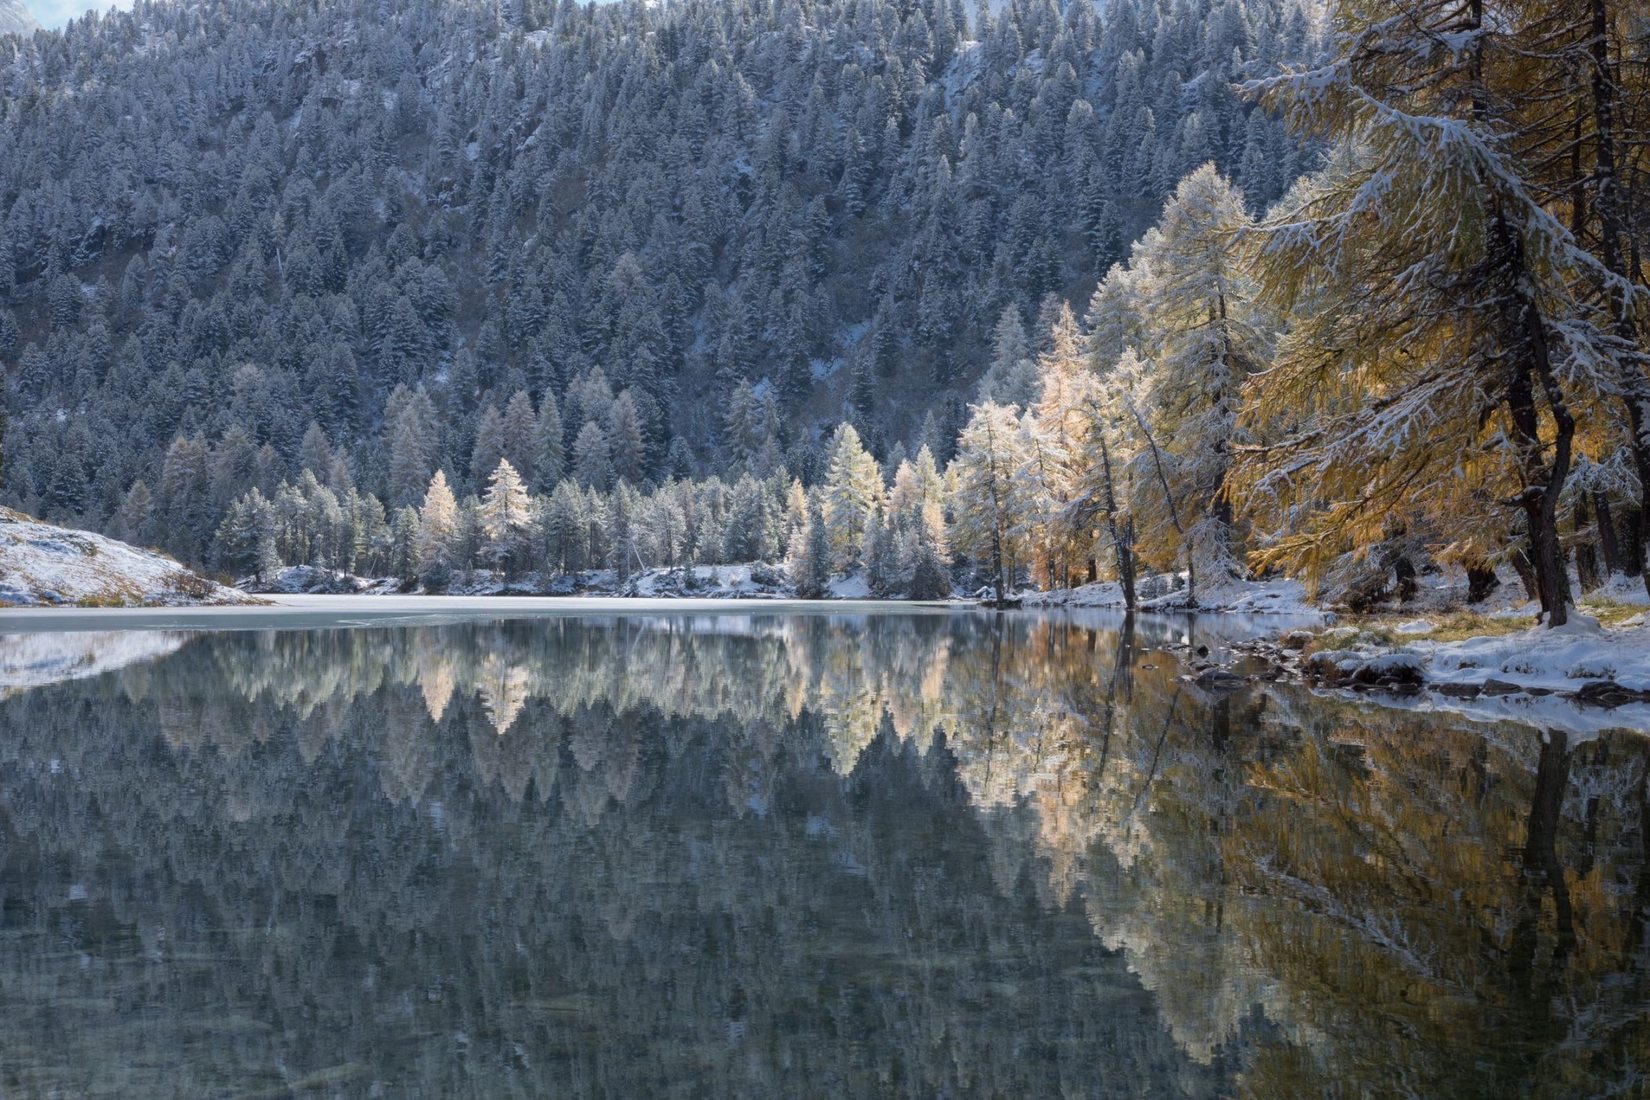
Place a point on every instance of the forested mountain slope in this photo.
(222, 223)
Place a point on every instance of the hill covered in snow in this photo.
(15, 18)
(45, 565)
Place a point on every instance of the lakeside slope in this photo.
(42, 565)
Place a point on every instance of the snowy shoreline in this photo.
(1582, 678)
(42, 565)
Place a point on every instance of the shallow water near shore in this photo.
(757, 850)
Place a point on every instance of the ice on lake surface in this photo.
(762, 853)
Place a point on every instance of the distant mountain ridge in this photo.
(15, 18)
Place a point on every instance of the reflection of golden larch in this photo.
(438, 683)
(796, 690)
(850, 726)
(504, 690)
(918, 711)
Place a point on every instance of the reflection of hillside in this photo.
(36, 660)
(666, 905)
(620, 822)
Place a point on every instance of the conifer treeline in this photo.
(1430, 349)
(222, 224)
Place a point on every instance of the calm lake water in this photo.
(769, 855)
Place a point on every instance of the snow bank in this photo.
(1544, 712)
(729, 582)
(1166, 593)
(1560, 659)
(1579, 677)
(308, 580)
(42, 565)
(851, 587)
(752, 581)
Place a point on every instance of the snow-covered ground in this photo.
(728, 582)
(1558, 659)
(1268, 597)
(43, 565)
(1581, 677)
(755, 581)
(37, 659)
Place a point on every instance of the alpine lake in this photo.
(771, 852)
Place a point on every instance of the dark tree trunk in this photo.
(1528, 368)
(1404, 571)
(1481, 581)
(1520, 560)
(1587, 572)
(1122, 532)
(1606, 532)
(1633, 527)
(1125, 563)
(1528, 373)
(1635, 385)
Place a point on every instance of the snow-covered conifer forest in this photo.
(1011, 296)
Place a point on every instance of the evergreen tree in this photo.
(488, 448)
(549, 457)
(405, 539)
(593, 457)
(519, 431)
(810, 555)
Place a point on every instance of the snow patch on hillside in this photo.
(43, 565)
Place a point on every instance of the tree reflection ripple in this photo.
(779, 855)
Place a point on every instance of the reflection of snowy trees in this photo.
(926, 831)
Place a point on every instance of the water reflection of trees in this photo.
(503, 848)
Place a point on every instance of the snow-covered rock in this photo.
(43, 565)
